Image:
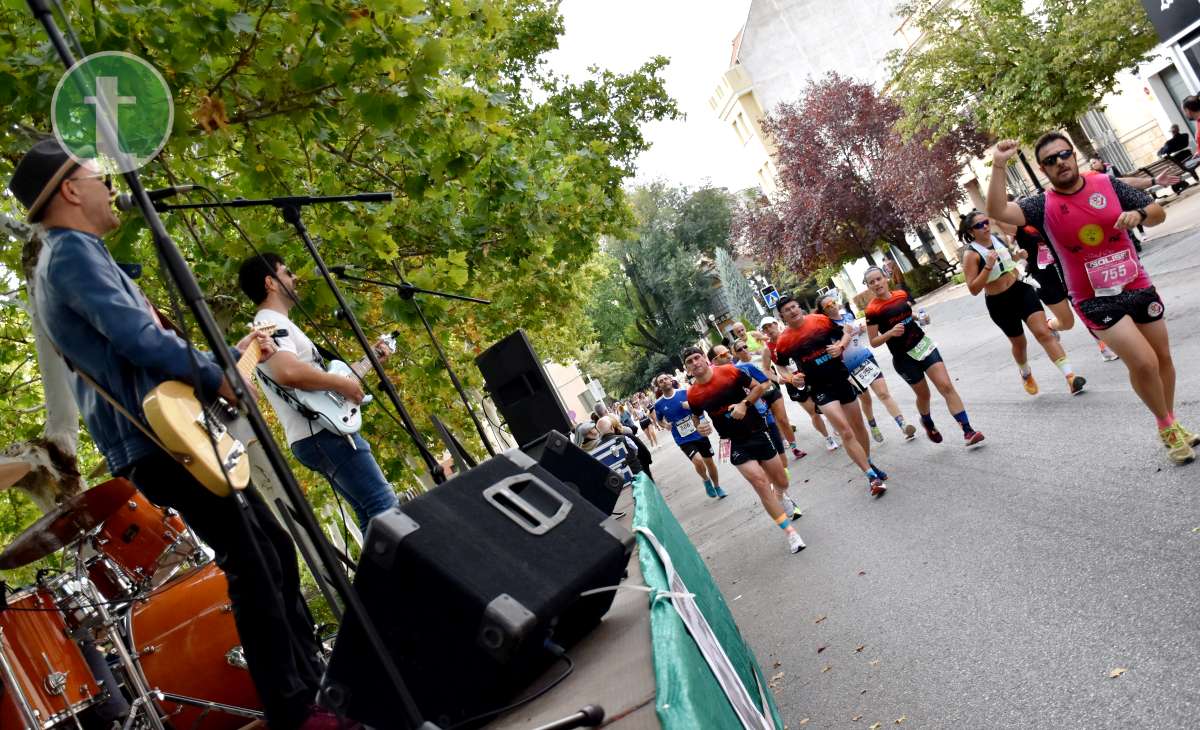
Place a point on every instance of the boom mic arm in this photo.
(126, 202)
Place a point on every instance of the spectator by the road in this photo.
(637, 459)
(1177, 142)
(1191, 110)
(587, 436)
(626, 418)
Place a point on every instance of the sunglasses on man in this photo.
(106, 179)
(1057, 157)
(739, 349)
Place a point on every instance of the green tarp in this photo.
(689, 696)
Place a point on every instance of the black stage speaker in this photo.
(467, 584)
(522, 391)
(577, 469)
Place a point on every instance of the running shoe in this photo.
(709, 489)
(795, 544)
(720, 493)
(877, 434)
(797, 454)
(1030, 384)
(1076, 383)
(830, 444)
(910, 432)
(1106, 353)
(933, 434)
(1191, 438)
(876, 486)
(793, 510)
(1177, 445)
(972, 437)
(880, 472)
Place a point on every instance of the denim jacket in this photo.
(101, 322)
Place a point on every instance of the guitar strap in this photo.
(286, 395)
(137, 422)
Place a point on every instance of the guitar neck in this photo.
(248, 361)
(362, 367)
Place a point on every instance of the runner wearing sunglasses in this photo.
(1085, 220)
(671, 411)
(865, 370)
(989, 267)
(773, 398)
(914, 355)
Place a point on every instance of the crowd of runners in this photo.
(1084, 266)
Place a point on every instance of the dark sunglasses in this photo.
(1057, 157)
(981, 225)
(106, 179)
(739, 349)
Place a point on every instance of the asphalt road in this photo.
(997, 587)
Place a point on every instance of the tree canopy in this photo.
(849, 181)
(506, 176)
(1016, 69)
(658, 282)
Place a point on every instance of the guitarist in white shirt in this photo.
(344, 460)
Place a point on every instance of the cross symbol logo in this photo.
(114, 108)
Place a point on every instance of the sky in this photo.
(697, 36)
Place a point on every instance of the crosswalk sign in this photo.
(770, 296)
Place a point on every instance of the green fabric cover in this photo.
(688, 695)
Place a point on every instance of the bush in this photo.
(922, 280)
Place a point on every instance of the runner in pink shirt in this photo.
(1086, 222)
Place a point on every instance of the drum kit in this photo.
(141, 622)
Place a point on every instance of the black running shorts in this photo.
(756, 447)
(1011, 307)
(797, 394)
(913, 371)
(1050, 285)
(771, 395)
(776, 438)
(841, 391)
(700, 446)
(1143, 305)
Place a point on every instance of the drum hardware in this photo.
(236, 657)
(26, 712)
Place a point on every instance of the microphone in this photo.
(343, 269)
(126, 202)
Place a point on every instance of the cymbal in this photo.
(67, 523)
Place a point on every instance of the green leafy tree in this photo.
(1017, 69)
(506, 176)
(657, 283)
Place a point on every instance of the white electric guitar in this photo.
(334, 410)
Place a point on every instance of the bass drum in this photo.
(42, 671)
(187, 645)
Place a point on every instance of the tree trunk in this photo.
(51, 471)
(1083, 143)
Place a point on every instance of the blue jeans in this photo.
(351, 471)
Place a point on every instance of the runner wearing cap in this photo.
(728, 395)
(1086, 222)
(865, 370)
(914, 355)
(772, 329)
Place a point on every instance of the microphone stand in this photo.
(408, 293)
(289, 208)
(189, 289)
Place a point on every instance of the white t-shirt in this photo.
(295, 426)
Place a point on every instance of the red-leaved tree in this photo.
(849, 181)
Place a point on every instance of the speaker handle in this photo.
(517, 509)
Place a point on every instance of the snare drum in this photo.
(188, 645)
(145, 542)
(45, 677)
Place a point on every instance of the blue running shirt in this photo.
(675, 411)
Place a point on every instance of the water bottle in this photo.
(922, 317)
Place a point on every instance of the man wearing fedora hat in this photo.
(106, 328)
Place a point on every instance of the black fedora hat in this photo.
(38, 175)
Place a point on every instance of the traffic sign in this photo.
(770, 296)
